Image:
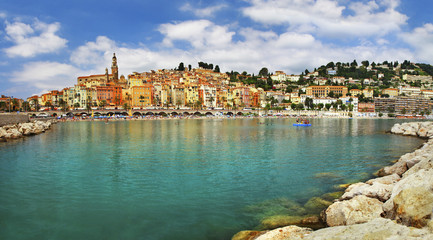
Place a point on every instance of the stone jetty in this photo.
(19, 130)
(396, 205)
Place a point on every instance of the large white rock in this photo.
(288, 232)
(359, 209)
(422, 179)
(425, 163)
(378, 228)
(390, 179)
(2, 132)
(396, 129)
(377, 190)
(26, 128)
(414, 206)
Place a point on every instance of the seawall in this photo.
(8, 119)
(396, 205)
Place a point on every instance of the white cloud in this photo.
(46, 75)
(200, 34)
(421, 39)
(327, 18)
(31, 40)
(3, 15)
(90, 53)
(202, 12)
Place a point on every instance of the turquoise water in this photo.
(178, 179)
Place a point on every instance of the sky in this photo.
(45, 45)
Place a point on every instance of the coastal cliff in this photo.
(19, 130)
(396, 205)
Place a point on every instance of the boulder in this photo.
(422, 179)
(289, 232)
(2, 132)
(378, 228)
(13, 133)
(425, 163)
(396, 129)
(399, 168)
(414, 206)
(26, 128)
(359, 209)
(390, 179)
(410, 129)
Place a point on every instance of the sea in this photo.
(182, 178)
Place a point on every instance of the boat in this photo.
(302, 124)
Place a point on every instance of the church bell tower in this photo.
(114, 68)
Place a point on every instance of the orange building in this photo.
(142, 96)
(366, 107)
(323, 91)
(111, 94)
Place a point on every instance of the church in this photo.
(104, 79)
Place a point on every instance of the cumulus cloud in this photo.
(46, 75)
(199, 33)
(328, 18)
(202, 12)
(90, 53)
(421, 39)
(30, 40)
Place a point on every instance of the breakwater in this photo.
(398, 204)
(18, 130)
(7, 119)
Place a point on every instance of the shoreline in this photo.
(399, 200)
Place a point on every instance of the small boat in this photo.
(302, 124)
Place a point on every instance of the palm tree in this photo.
(36, 104)
(89, 104)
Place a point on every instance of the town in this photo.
(346, 89)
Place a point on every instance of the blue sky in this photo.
(46, 45)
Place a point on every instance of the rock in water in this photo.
(289, 232)
(359, 209)
(379, 228)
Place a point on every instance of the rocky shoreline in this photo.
(396, 205)
(19, 130)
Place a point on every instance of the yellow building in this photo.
(191, 95)
(392, 92)
(355, 92)
(323, 91)
(142, 96)
(368, 93)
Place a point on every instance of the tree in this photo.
(309, 103)
(320, 106)
(354, 64)
(300, 106)
(189, 67)
(331, 94)
(126, 106)
(328, 106)
(365, 63)
(89, 104)
(36, 104)
(263, 72)
(102, 103)
(217, 69)
(306, 71)
(76, 105)
(181, 67)
(293, 106)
